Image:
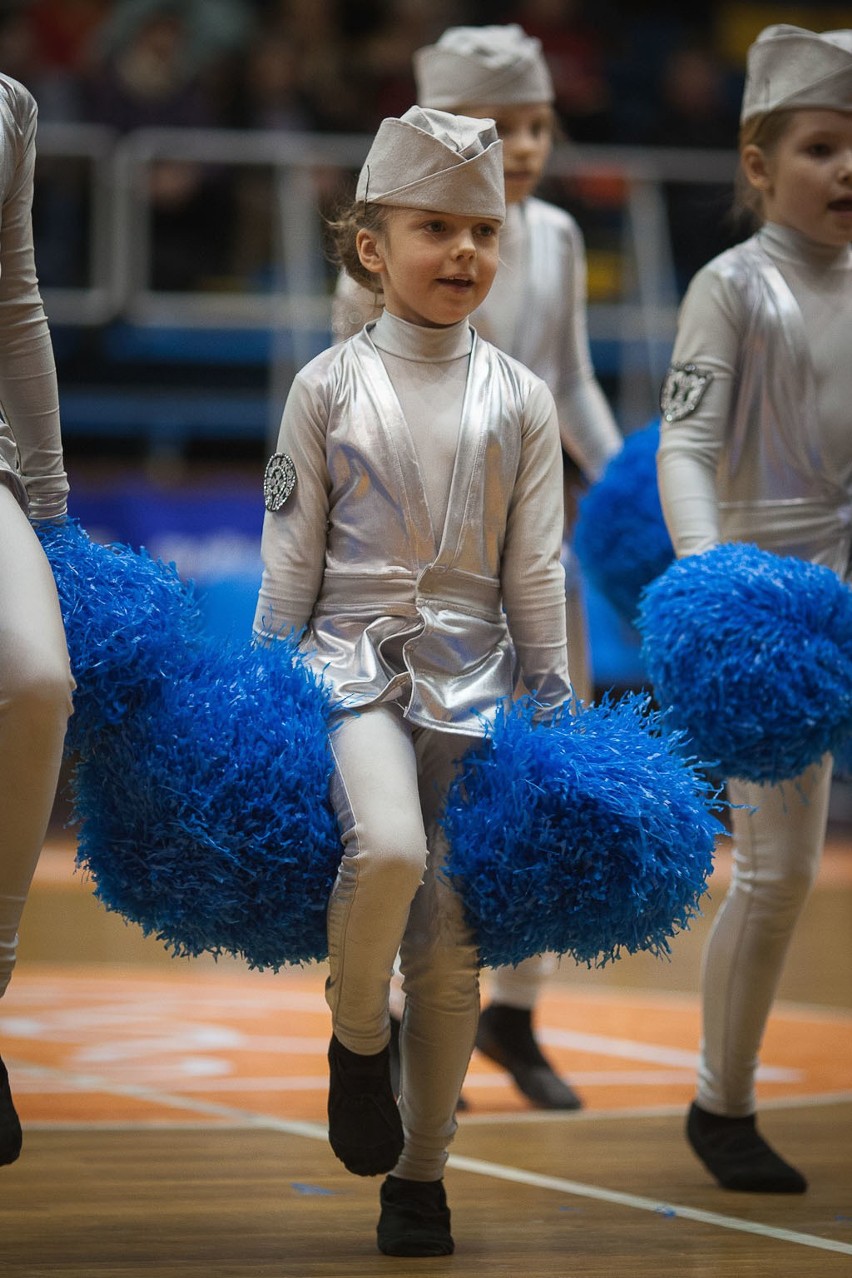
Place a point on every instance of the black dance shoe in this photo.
(364, 1126)
(11, 1137)
(505, 1036)
(735, 1153)
(415, 1218)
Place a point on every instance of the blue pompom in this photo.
(620, 537)
(205, 815)
(127, 619)
(589, 835)
(751, 654)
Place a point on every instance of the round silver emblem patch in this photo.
(279, 480)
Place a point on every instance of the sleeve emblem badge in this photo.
(279, 480)
(682, 390)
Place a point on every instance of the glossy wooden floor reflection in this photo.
(174, 1117)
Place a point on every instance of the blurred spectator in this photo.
(270, 94)
(699, 108)
(270, 97)
(59, 36)
(383, 43)
(213, 28)
(575, 48)
(45, 45)
(150, 75)
(324, 56)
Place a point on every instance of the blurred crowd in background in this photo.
(643, 72)
(637, 73)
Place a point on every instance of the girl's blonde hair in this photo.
(342, 231)
(764, 131)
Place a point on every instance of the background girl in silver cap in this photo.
(763, 454)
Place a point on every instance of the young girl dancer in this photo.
(756, 446)
(412, 537)
(35, 677)
(536, 311)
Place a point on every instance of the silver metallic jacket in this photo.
(775, 488)
(398, 614)
(772, 482)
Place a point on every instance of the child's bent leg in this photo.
(441, 972)
(384, 852)
(375, 794)
(777, 852)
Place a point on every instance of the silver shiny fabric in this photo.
(774, 484)
(775, 488)
(401, 611)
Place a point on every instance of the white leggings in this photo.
(35, 702)
(776, 857)
(388, 791)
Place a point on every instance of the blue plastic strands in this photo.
(205, 815)
(620, 537)
(127, 619)
(590, 835)
(751, 654)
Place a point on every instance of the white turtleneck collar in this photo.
(789, 245)
(398, 337)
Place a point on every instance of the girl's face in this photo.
(806, 180)
(435, 267)
(527, 134)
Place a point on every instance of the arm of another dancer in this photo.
(589, 433)
(532, 576)
(28, 393)
(690, 448)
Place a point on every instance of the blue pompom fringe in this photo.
(204, 812)
(751, 654)
(589, 835)
(620, 537)
(127, 620)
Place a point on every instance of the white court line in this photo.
(479, 1167)
(517, 1116)
(654, 1053)
(580, 1190)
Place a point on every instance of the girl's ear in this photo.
(369, 251)
(755, 167)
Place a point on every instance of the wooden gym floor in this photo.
(173, 1116)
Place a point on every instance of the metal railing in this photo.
(640, 320)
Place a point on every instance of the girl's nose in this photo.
(521, 142)
(464, 245)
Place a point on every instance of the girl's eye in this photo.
(819, 149)
(435, 228)
(487, 231)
